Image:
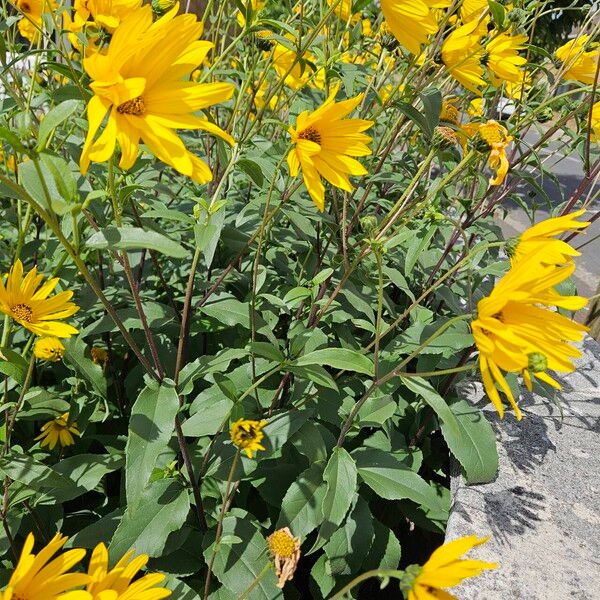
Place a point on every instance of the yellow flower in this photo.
(283, 59)
(595, 134)
(58, 431)
(10, 161)
(285, 549)
(138, 84)
(475, 108)
(503, 60)
(324, 144)
(410, 21)
(108, 14)
(255, 5)
(517, 331)
(48, 348)
(445, 568)
(33, 309)
(556, 252)
(344, 11)
(32, 20)
(472, 9)
(247, 435)
(117, 584)
(496, 139)
(580, 57)
(37, 577)
(462, 53)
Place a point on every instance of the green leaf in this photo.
(391, 479)
(85, 471)
(316, 374)
(75, 358)
(151, 427)
(498, 13)
(471, 438)
(238, 566)
(338, 358)
(212, 408)
(432, 103)
(252, 169)
(135, 238)
(54, 118)
(377, 409)
(13, 365)
(32, 473)
(146, 525)
(229, 311)
(340, 475)
(475, 448)
(301, 506)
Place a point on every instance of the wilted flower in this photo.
(285, 549)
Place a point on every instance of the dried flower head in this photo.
(285, 549)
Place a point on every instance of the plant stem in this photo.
(364, 576)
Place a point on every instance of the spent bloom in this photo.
(247, 435)
(325, 144)
(495, 139)
(41, 577)
(28, 302)
(445, 568)
(58, 431)
(285, 549)
(517, 329)
(140, 92)
(48, 348)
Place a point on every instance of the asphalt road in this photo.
(568, 170)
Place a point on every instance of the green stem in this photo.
(364, 576)
(256, 581)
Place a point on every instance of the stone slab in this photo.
(542, 512)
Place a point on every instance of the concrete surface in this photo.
(543, 510)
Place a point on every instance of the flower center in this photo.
(311, 134)
(135, 106)
(25, 8)
(22, 312)
(248, 433)
(282, 544)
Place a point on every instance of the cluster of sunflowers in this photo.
(146, 75)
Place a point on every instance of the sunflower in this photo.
(33, 309)
(48, 348)
(410, 21)
(543, 235)
(462, 53)
(32, 21)
(247, 435)
(473, 10)
(138, 83)
(518, 331)
(503, 60)
(344, 11)
(286, 64)
(324, 144)
(117, 583)
(58, 431)
(595, 133)
(580, 57)
(38, 577)
(255, 6)
(445, 568)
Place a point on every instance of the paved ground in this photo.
(569, 172)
